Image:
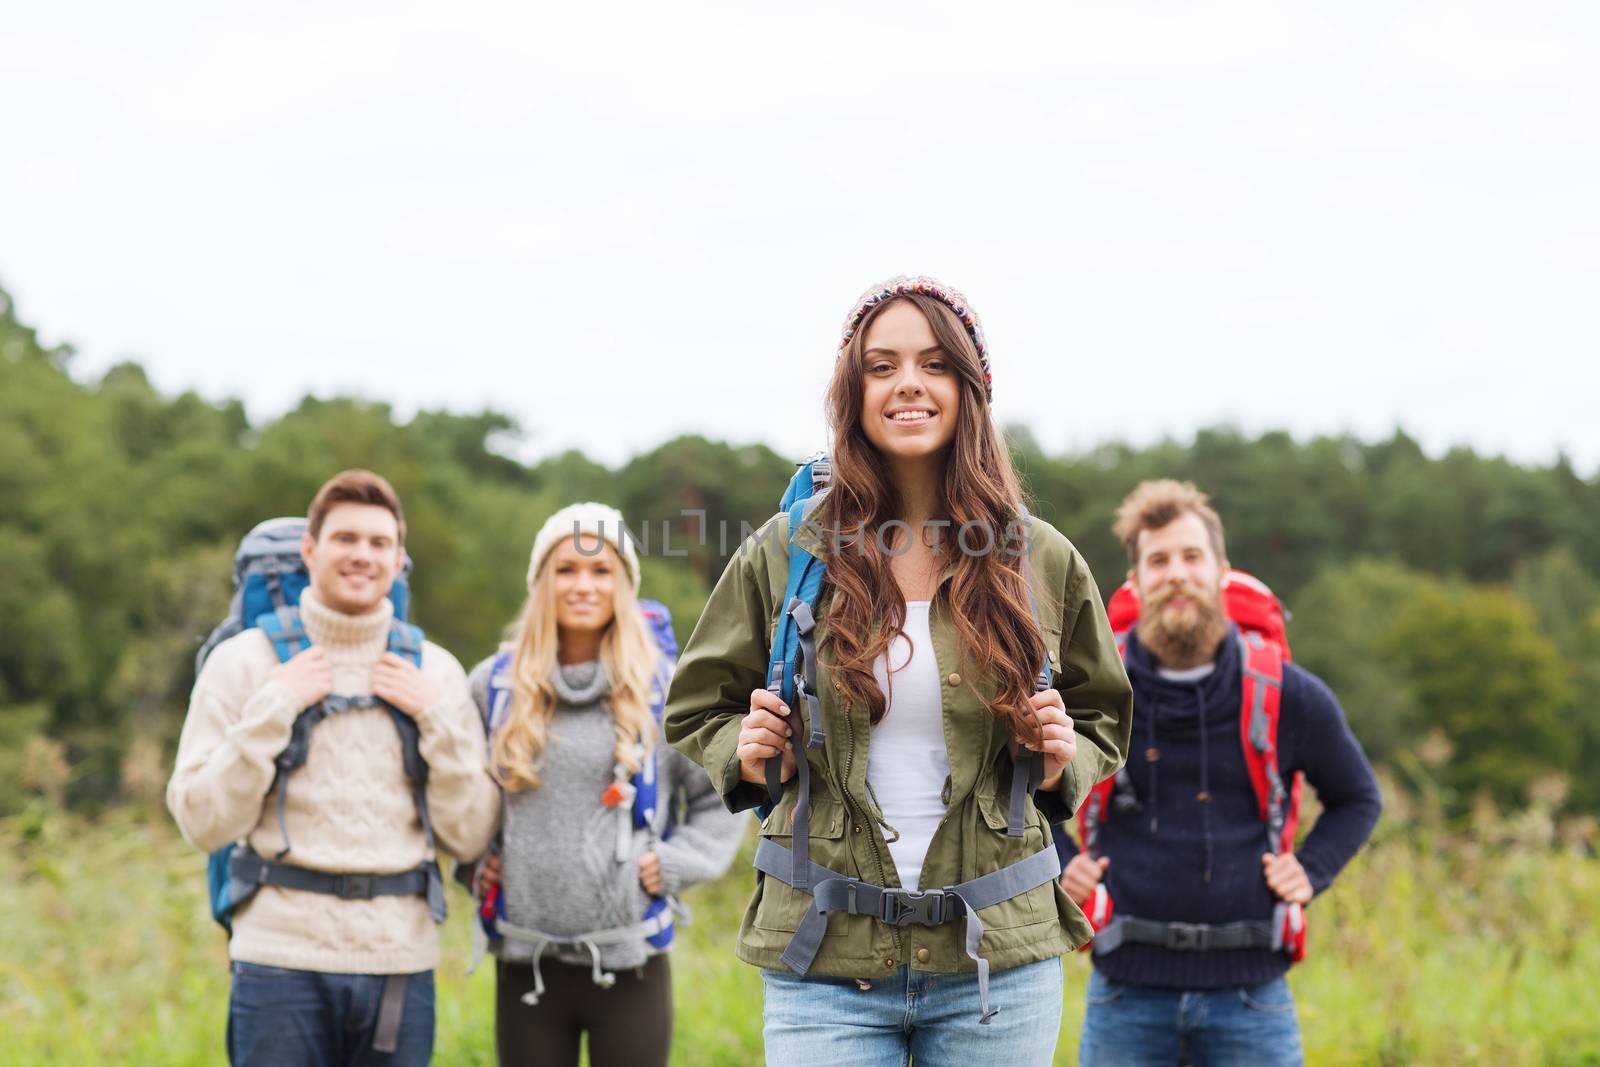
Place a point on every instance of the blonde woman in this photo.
(602, 824)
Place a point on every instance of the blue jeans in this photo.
(1129, 1025)
(913, 1015)
(284, 1018)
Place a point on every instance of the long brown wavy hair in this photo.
(988, 595)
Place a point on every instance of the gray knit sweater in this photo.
(559, 842)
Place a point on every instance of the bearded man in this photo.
(1184, 852)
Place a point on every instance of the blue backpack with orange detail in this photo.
(636, 792)
(269, 577)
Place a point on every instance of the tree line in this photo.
(1453, 602)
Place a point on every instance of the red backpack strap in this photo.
(1093, 812)
(1097, 805)
(1261, 673)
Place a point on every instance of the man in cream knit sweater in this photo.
(320, 979)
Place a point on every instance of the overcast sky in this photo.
(619, 223)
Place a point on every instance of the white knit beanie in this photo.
(599, 519)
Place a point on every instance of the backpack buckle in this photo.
(1187, 937)
(354, 887)
(902, 907)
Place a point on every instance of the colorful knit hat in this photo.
(900, 285)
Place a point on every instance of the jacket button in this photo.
(954, 679)
(888, 964)
(922, 955)
(858, 828)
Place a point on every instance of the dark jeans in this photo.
(1130, 1025)
(283, 1018)
(629, 1025)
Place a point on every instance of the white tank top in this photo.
(907, 762)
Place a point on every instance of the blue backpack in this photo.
(639, 791)
(794, 640)
(792, 670)
(269, 577)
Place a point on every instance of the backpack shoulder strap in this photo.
(797, 611)
(648, 811)
(500, 690)
(1098, 804)
(1261, 693)
(792, 672)
(1027, 766)
(285, 630)
(405, 640)
(1261, 674)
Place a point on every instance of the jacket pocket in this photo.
(780, 907)
(993, 849)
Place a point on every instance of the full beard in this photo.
(1186, 636)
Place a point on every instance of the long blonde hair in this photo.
(627, 653)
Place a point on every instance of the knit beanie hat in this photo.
(900, 285)
(588, 518)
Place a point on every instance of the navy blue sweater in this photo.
(1178, 860)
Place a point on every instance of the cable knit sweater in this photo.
(560, 870)
(350, 808)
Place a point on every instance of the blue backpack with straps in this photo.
(793, 637)
(639, 791)
(791, 671)
(269, 577)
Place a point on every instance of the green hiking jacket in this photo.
(726, 658)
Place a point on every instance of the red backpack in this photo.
(1264, 649)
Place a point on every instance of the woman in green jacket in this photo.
(922, 897)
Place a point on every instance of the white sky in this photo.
(622, 222)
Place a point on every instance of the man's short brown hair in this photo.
(354, 487)
(1154, 504)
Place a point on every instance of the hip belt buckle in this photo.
(1187, 936)
(902, 907)
(355, 887)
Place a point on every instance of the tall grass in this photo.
(1440, 945)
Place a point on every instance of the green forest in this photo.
(1452, 602)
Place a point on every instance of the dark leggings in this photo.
(629, 1025)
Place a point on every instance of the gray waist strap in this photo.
(1182, 937)
(251, 869)
(832, 891)
(619, 935)
(590, 942)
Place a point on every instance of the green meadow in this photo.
(1442, 944)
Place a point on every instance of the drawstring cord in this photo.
(1152, 756)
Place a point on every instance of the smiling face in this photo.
(355, 557)
(1179, 581)
(911, 392)
(585, 570)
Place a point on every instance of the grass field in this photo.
(1476, 946)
